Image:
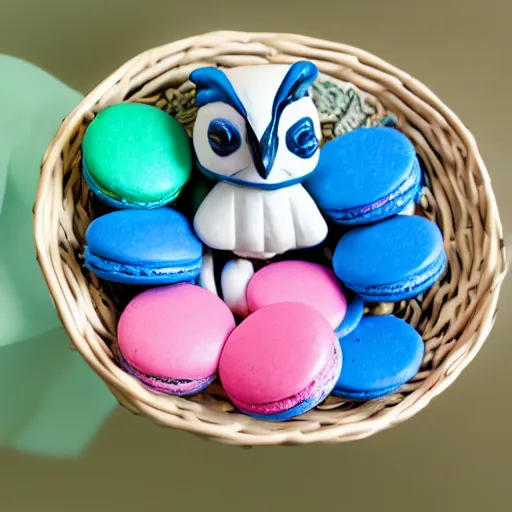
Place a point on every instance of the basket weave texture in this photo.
(454, 317)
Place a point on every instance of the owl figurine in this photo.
(257, 136)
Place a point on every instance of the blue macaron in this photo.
(365, 176)
(353, 314)
(143, 247)
(396, 259)
(380, 355)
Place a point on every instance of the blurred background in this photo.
(64, 445)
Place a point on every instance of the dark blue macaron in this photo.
(143, 247)
(380, 355)
(393, 260)
(365, 176)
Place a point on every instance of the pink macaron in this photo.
(280, 362)
(298, 281)
(171, 338)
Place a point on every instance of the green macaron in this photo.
(136, 156)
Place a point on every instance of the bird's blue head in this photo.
(257, 126)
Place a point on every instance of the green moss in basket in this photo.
(343, 105)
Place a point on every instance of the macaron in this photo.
(353, 314)
(365, 176)
(136, 156)
(393, 260)
(280, 362)
(171, 338)
(380, 355)
(143, 247)
(298, 281)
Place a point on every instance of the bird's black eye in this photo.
(301, 139)
(224, 137)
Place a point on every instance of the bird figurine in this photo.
(257, 135)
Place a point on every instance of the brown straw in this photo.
(454, 317)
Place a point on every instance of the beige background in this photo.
(455, 455)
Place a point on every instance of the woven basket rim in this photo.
(233, 427)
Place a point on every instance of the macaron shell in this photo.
(175, 331)
(381, 354)
(129, 143)
(353, 315)
(311, 401)
(361, 167)
(144, 237)
(275, 353)
(397, 249)
(298, 281)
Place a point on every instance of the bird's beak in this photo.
(262, 168)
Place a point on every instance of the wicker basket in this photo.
(454, 318)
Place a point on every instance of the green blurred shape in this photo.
(32, 106)
(26, 371)
(51, 402)
(70, 413)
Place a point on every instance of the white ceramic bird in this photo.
(257, 133)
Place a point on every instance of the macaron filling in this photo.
(111, 199)
(180, 387)
(399, 198)
(187, 270)
(405, 289)
(363, 396)
(315, 392)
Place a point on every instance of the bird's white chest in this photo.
(259, 223)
